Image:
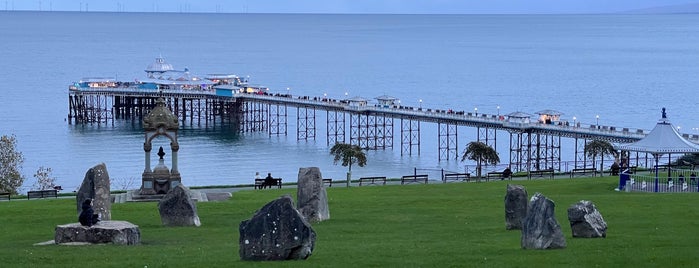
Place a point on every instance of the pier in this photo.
(533, 144)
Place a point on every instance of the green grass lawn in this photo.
(435, 225)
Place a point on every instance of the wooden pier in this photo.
(533, 145)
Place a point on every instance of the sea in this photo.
(615, 70)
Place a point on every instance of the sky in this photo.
(345, 6)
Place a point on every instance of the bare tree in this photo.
(44, 180)
(11, 162)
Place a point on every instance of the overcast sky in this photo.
(344, 6)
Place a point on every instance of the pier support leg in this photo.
(335, 130)
(448, 141)
(409, 136)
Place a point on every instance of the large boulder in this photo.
(516, 202)
(586, 221)
(311, 195)
(111, 232)
(178, 209)
(276, 232)
(96, 186)
(540, 230)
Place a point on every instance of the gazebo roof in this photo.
(549, 112)
(519, 115)
(663, 139)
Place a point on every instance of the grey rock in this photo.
(311, 195)
(96, 186)
(586, 221)
(276, 232)
(114, 232)
(178, 209)
(540, 230)
(516, 202)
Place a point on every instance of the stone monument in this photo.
(586, 221)
(311, 195)
(96, 186)
(160, 122)
(540, 230)
(276, 232)
(178, 209)
(516, 202)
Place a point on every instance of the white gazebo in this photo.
(663, 139)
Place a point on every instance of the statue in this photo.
(161, 153)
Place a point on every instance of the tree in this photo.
(44, 181)
(480, 152)
(349, 154)
(599, 147)
(10, 164)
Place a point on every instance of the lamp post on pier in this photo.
(420, 101)
(498, 111)
(597, 117)
(574, 120)
(475, 111)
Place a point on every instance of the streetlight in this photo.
(420, 103)
(597, 116)
(574, 118)
(498, 111)
(475, 110)
(346, 94)
(288, 92)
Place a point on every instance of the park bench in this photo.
(372, 180)
(494, 174)
(42, 194)
(414, 178)
(5, 195)
(259, 183)
(541, 173)
(456, 177)
(328, 182)
(582, 171)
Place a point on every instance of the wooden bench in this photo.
(582, 171)
(42, 194)
(541, 173)
(456, 177)
(5, 195)
(372, 181)
(414, 178)
(260, 183)
(494, 174)
(328, 182)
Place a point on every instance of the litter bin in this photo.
(623, 177)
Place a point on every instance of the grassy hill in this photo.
(435, 225)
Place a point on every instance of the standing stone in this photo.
(540, 230)
(276, 232)
(178, 209)
(96, 186)
(586, 221)
(311, 195)
(516, 203)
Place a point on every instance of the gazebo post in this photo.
(656, 172)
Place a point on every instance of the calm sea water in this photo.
(623, 68)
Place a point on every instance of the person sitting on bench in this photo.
(87, 216)
(506, 173)
(269, 181)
